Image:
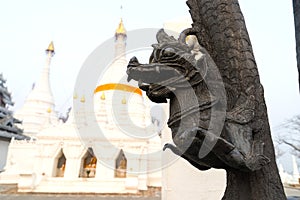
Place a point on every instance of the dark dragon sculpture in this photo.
(174, 73)
(218, 115)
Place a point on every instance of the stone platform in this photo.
(9, 192)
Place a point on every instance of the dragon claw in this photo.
(257, 162)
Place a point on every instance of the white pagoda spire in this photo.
(117, 70)
(120, 43)
(42, 87)
(118, 103)
(38, 109)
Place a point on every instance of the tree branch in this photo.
(290, 144)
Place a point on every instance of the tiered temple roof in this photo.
(8, 128)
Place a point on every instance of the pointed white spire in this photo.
(118, 103)
(119, 64)
(38, 109)
(42, 88)
(120, 44)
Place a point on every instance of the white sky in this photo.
(78, 27)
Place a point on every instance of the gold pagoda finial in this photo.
(121, 29)
(50, 48)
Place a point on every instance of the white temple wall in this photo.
(103, 171)
(45, 160)
(3, 153)
(21, 156)
(74, 153)
(154, 163)
(20, 160)
(106, 158)
(72, 168)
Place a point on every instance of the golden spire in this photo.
(121, 29)
(50, 48)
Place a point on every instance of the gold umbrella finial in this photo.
(121, 29)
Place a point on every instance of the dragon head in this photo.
(172, 65)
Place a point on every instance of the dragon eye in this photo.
(169, 52)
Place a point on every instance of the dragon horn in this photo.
(185, 33)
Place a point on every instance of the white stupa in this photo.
(71, 157)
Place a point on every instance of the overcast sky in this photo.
(78, 27)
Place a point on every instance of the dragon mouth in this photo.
(143, 86)
(150, 75)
